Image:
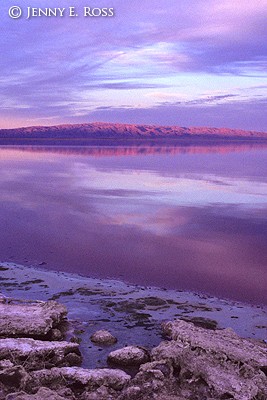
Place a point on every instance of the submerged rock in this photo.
(103, 337)
(128, 356)
(32, 319)
(206, 323)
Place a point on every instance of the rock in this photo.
(152, 381)
(33, 319)
(220, 342)
(72, 359)
(66, 393)
(216, 363)
(56, 334)
(6, 364)
(89, 378)
(163, 366)
(102, 393)
(130, 355)
(131, 393)
(36, 354)
(103, 337)
(13, 377)
(42, 394)
(75, 339)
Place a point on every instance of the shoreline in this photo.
(182, 142)
(132, 313)
(90, 148)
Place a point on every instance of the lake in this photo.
(187, 218)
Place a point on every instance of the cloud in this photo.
(56, 68)
(248, 115)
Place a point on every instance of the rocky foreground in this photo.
(36, 363)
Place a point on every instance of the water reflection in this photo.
(194, 220)
(140, 149)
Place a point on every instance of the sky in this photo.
(167, 62)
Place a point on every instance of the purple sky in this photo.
(170, 62)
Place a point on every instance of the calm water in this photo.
(191, 218)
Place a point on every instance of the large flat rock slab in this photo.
(36, 354)
(31, 319)
(217, 363)
(91, 378)
(221, 342)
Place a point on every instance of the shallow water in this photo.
(180, 218)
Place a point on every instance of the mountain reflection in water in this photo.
(180, 217)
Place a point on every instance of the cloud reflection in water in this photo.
(186, 221)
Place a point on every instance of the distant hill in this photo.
(97, 131)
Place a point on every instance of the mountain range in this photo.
(120, 132)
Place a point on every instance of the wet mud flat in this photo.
(133, 314)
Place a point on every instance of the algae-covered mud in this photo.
(133, 314)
